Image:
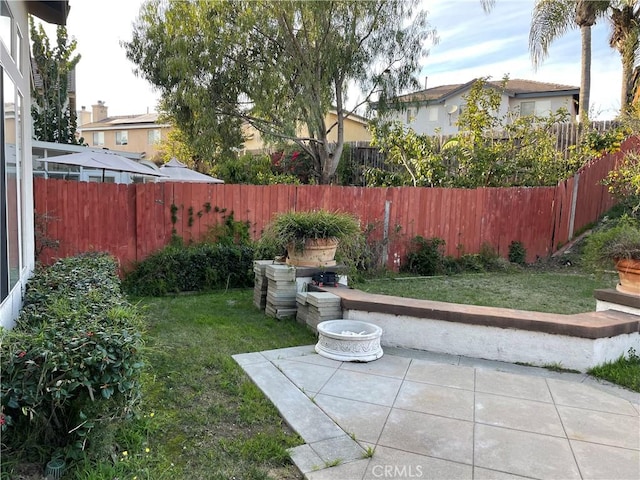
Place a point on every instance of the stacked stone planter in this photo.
(322, 306)
(260, 283)
(281, 291)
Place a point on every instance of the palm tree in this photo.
(550, 20)
(625, 31)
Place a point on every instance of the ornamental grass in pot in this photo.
(311, 237)
(620, 246)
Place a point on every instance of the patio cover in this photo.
(177, 171)
(104, 161)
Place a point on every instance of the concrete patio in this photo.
(415, 414)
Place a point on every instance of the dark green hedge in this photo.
(198, 267)
(73, 359)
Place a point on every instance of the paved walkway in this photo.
(429, 416)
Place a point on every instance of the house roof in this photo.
(513, 88)
(124, 120)
(50, 11)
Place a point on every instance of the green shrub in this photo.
(517, 253)
(73, 359)
(470, 262)
(426, 256)
(198, 267)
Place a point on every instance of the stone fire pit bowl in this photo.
(349, 341)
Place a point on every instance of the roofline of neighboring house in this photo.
(508, 92)
(455, 91)
(354, 116)
(555, 93)
(50, 11)
(80, 148)
(123, 126)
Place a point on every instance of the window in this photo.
(411, 115)
(98, 139)
(527, 108)
(541, 108)
(5, 25)
(433, 114)
(122, 137)
(153, 136)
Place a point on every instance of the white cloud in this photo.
(472, 44)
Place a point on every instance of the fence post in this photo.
(385, 232)
(574, 201)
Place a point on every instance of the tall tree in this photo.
(278, 65)
(553, 18)
(625, 33)
(54, 119)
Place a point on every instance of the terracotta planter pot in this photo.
(629, 273)
(319, 252)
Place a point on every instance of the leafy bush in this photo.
(426, 257)
(198, 267)
(624, 182)
(290, 161)
(517, 253)
(73, 359)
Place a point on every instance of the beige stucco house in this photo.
(436, 110)
(128, 133)
(355, 130)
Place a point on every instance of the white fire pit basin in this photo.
(349, 341)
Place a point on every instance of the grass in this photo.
(202, 417)
(624, 371)
(539, 291)
(553, 292)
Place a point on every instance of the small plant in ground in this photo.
(426, 256)
(557, 367)
(517, 253)
(369, 451)
(43, 240)
(332, 463)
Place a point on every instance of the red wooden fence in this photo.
(132, 221)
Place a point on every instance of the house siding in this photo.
(421, 118)
(137, 138)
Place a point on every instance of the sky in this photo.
(471, 44)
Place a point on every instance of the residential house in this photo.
(129, 133)
(17, 239)
(436, 110)
(355, 130)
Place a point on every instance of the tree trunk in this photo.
(585, 74)
(627, 85)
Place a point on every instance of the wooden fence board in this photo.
(132, 221)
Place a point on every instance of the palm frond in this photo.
(550, 20)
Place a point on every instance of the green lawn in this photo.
(202, 418)
(552, 292)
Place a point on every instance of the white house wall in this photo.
(555, 103)
(420, 118)
(10, 305)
